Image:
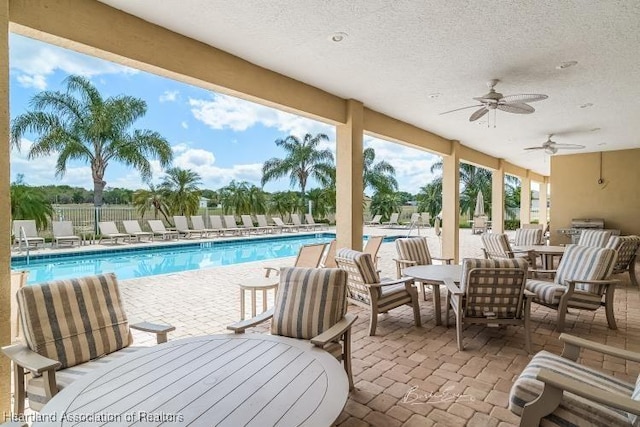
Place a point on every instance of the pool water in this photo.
(141, 262)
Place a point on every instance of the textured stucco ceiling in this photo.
(399, 52)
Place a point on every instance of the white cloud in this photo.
(169, 96)
(34, 61)
(184, 125)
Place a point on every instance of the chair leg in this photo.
(19, 393)
(373, 322)
(459, 328)
(562, 314)
(632, 273)
(346, 357)
(527, 324)
(608, 306)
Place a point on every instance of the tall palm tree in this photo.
(152, 198)
(283, 203)
(303, 160)
(242, 198)
(430, 198)
(378, 176)
(29, 203)
(180, 188)
(323, 200)
(385, 204)
(80, 124)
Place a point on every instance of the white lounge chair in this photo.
(183, 227)
(109, 230)
(30, 232)
(312, 222)
(216, 224)
(393, 220)
(231, 225)
(374, 221)
(262, 222)
(295, 219)
(63, 233)
(158, 229)
(282, 226)
(133, 227)
(247, 223)
(198, 224)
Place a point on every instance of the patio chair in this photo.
(329, 259)
(297, 314)
(264, 224)
(295, 219)
(374, 221)
(491, 292)
(425, 219)
(480, 224)
(309, 256)
(531, 226)
(109, 230)
(627, 248)
(230, 224)
(393, 220)
(557, 390)
(158, 229)
(284, 227)
(182, 225)
(414, 221)
(219, 227)
(415, 251)
(133, 228)
(30, 235)
(372, 246)
(71, 327)
(198, 224)
(595, 238)
(312, 222)
(63, 233)
(528, 237)
(366, 289)
(582, 280)
(18, 281)
(497, 246)
(247, 222)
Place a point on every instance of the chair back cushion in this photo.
(528, 236)
(414, 249)
(361, 271)
(74, 320)
(309, 301)
(586, 263)
(627, 247)
(596, 238)
(496, 245)
(493, 285)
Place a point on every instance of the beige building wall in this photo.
(5, 209)
(577, 193)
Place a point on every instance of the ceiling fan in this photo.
(551, 147)
(493, 100)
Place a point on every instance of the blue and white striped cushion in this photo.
(496, 244)
(586, 263)
(414, 249)
(528, 236)
(364, 262)
(635, 419)
(596, 238)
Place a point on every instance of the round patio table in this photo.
(547, 253)
(434, 275)
(221, 380)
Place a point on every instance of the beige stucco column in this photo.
(542, 204)
(5, 209)
(349, 181)
(525, 199)
(497, 199)
(451, 202)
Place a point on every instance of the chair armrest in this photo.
(595, 282)
(392, 282)
(564, 382)
(452, 287)
(268, 271)
(335, 331)
(573, 344)
(405, 262)
(529, 294)
(23, 356)
(161, 331)
(240, 327)
(446, 260)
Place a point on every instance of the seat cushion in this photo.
(309, 301)
(546, 292)
(594, 238)
(64, 377)
(392, 296)
(586, 263)
(573, 410)
(528, 236)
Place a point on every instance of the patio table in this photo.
(226, 380)
(434, 275)
(547, 253)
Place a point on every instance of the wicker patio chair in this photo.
(627, 248)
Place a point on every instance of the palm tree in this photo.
(283, 203)
(378, 176)
(180, 188)
(430, 198)
(242, 198)
(385, 204)
(151, 198)
(323, 200)
(81, 125)
(303, 160)
(29, 203)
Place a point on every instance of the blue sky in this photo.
(221, 137)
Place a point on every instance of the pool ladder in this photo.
(21, 238)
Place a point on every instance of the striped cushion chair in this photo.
(627, 248)
(582, 280)
(497, 246)
(490, 292)
(311, 305)
(71, 327)
(595, 238)
(528, 237)
(366, 289)
(557, 391)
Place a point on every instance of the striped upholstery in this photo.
(361, 271)
(528, 236)
(627, 247)
(74, 320)
(493, 286)
(414, 249)
(496, 245)
(573, 410)
(596, 238)
(309, 301)
(635, 419)
(392, 296)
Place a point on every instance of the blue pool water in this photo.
(148, 261)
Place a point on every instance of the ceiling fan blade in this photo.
(516, 108)
(463, 108)
(535, 148)
(523, 97)
(486, 100)
(478, 113)
(569, 146)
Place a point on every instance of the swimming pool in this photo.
(139, 261)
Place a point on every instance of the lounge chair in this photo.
(30, 232)
(183, 227)
(312, 222)
(133, 227)
(158, 229)
(109, 230)
(372, 246)
(247, 222)
(284, 227)
(198, 224)
(374, 221)
(329, 259)
(295, 219)
(393, 220)
(231, 224)
(216, 224)
(309, 256)
(425, 219)
(63, 233)
(480, 224)
(262, 222)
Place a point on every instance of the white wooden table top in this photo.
(226, 380)
(542, 249)
(434, 273)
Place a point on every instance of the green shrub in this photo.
(511, 224)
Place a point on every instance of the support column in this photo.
(497, 199)
(542, 204)
(349, 180)
(5, 210)
(525, 199)
(451, 203)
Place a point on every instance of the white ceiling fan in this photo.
(493, 100)
(551, 147)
